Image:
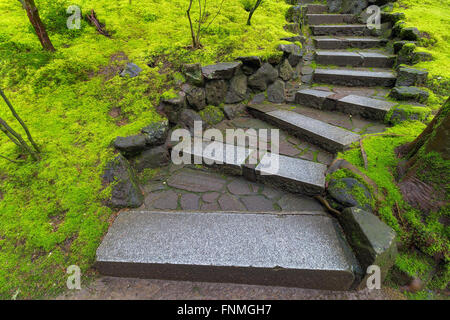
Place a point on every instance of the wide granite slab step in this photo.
(340, 30)
(328, 137)
(317, 19)
(295, 250)
(355, 78)
(355, 59)
(291, 174)
(350, 104)
(335, 43)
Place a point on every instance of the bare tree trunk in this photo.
(250, 15)
(35, 146)
(39, 27)
(194, 39)
(17, 139)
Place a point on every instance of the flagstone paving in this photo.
(189, 188)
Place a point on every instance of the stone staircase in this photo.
(302, 249)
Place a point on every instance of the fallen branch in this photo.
(92, 18)
(363, 153)
(327, 205)
(10, 160)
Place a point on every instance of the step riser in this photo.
(331, 104)
(336, 45)
(353, 81)
(305, 250)
(355, 61)
(324, 143)
(340, 31)
(309, 279)
(317, 9)
(317, 19)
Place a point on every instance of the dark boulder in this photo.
(411, 77)
(131, 70)
(409, 93)
(151, 158)
(220, 71)
(349, 192)
(237, 89)
(231, 111)
(172, 107)
(374, 242)
(286, 71)
(156, 133)
(193, 74)
(195, 96)
(188, 117)
(216, 90)
(125, 188)
(131, 145)
(276, 92)
(263, 77)
(250, 64)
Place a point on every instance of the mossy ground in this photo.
(51, 212)
(431, 17)
(426, 234)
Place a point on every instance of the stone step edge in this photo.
(331, 101)
(341, 273)
(253, 168)
(258, 110)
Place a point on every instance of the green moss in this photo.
(408, 112)
(52, 212)
(212, 115)
(170, 94)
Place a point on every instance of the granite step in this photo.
(336, 43)
(293, 250)
(316, 8)
(340, 30)
(355, 59)
(368, 108)
(322, 134)
(291, 174)
(317, 19)
(355, 78)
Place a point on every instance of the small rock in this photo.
(292, 27)
(153, 158)
(411, 77)
(212, 115)
(263, 77)
(250, 64)
(286, 71)
(195, 96)
(132, 70)
(233, 110)
(349, 192)
(275, 92)
(237, 90)
(156, 133)
(220, 71)
(131, 145)
(216, 91)
(126, 192)
(172, 107)
(187, 119)
(410, 33)
(193, 74)
(409, 93)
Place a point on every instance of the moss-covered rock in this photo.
(212, 115)
(373, 242)
(409, 94)
(410, 33)
(411, 77)
(402, 113)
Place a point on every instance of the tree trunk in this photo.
(424, 170)
(39, 27)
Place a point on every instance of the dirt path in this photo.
(109, 288)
